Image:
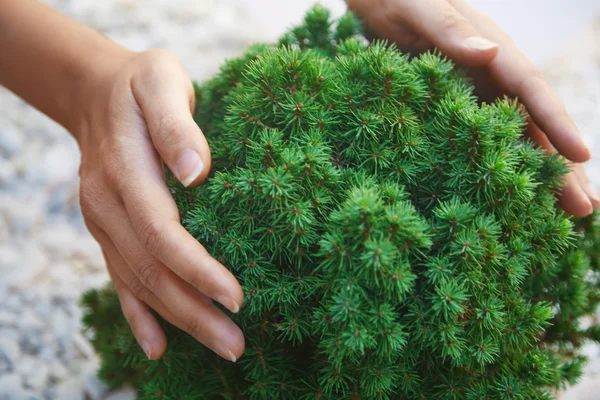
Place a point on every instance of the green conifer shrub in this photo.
(394, 237)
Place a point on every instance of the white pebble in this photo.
(9, 350)
(10, 387)
(69, 389)
(83, 346)
(95, 388)
(33, 373)
(11, 138)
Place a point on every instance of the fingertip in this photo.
(229, 302)
(575, 150)
(189, 167)
(224, 287)
(151, 338)
(586, 155)
(592, 194)
(193, 165)
(237, 297)
(576, 203)
(237, 346)
(143, 323)
(227, 339)
(156, 346)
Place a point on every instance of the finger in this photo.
(519, 77)
(437, 21)
(199, 318)
(587, 185)
(573, 199)
(155, 222)
(179, 303)
(165, 96)
(144, 325)
(538, 137)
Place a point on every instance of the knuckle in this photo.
(450, 21)
(113, 175)
(149, 274)
(536, 74)
(391, 9)
(155, 64)
(150, 235)
(111, 161)
(156, 56)
(139, 290)
(532, 78)
(169, 130)
(90, 199)
(193, 326)
(198, 279)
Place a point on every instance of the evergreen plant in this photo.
(395, 237)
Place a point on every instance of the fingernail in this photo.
(592, 193)
(189, 166)
(147, 349)
(229, 303)
(228, 355)
(232, 358)
(479, 43)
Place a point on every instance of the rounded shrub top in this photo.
(394, 237)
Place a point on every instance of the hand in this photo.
(136, 114)
(497, 66)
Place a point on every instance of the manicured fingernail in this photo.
(229, 303)
(189, 166)
(147, 349)
(592, 193)
(479, 43)
(232, 357)
(228, 355)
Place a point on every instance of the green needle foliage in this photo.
(395, 238)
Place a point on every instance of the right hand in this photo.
(497, 67)
(135, 115)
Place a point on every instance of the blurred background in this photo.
(47, 258)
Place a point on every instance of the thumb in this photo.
(166, 95)
(440, 23)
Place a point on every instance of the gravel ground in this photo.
(47, 258)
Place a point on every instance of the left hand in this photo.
(497, 67)
(137, 115)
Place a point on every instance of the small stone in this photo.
(8, 319)
(69, 389)
(57, 371)
(9, 351)
(36, 375)
(83, 346)
(11, 139)
(9, 257)
(10, 387)
(19, 215)
(7, 171)
(94, 387)
(30, 322)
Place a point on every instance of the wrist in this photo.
(93, 78)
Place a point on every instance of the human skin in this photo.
(130, 112)
(497, 67)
